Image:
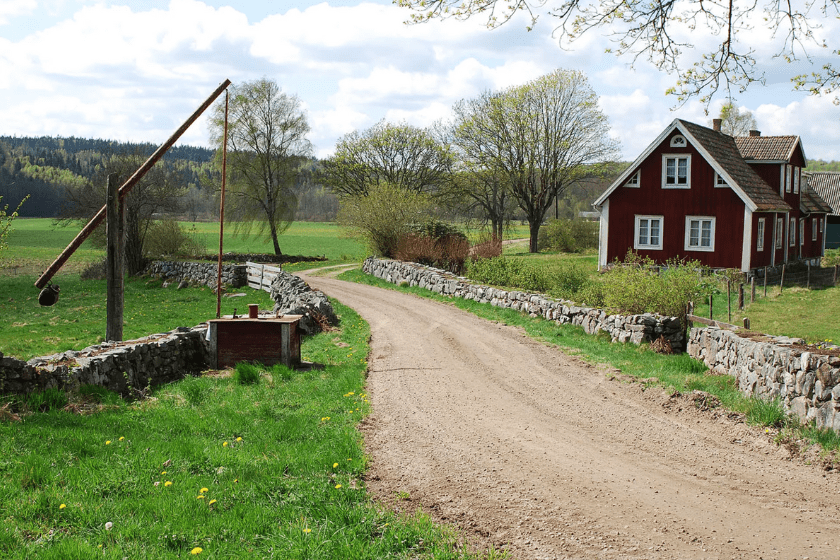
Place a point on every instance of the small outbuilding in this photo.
(827, 185)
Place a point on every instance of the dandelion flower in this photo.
(203, 490)
(338, 485)
(239, 439)
(196, 550)
(235, 480)
(108, 442)
(335, 465)
(307, 530)
(168, 483)
(211, 502)
(62, 506)
(225, 444)
(162, 472)
(200, 497)
(122, 438)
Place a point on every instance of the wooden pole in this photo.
(711, 307)
(127, 186)
(115, 273)
(752, 289)
(782, 281)
(835, 275)
(765, 281)
(729, 300)
(222, 214)
(740, 296)
(808, 277)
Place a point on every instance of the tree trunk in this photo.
(277, 250)
(534, 228)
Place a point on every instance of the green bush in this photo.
(562, 280)
(246, 374)
(166, 238)
(568, 236)
(831, 258)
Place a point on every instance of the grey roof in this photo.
(826, 184)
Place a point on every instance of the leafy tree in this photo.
(736, 121)
(480, 192)
(266, 145)
(660, 32)
(401, 155)
(6, 220)
(384, 215)
(537, 138)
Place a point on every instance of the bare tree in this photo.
(266, 145)
(401, 155)
(660, 32)
(537, 138)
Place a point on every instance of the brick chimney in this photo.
(716, 124)
(755, 133)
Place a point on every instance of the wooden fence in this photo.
(260, 276)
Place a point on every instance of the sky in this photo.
(135, 70)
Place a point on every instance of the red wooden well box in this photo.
(267, 340)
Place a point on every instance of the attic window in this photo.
(676, 172)
(720, 181)
(678, 142)
(633, 181)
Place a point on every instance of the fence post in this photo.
(747, 323)
(835, 274)
(782, 281)
(752, 289)
(808, 277)
(710, 308)
(262, 275)
(729, 300)
(740, 296)
(765, 281)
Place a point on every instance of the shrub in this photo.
(246, 374)
(448, 252)
(831, 258)
(166, 238)
(95, 271)
(568, 236)
(487, 247)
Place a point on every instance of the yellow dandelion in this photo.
(122, 438)
(196, 550)
(168, 483)
(108, 442)
(225, 444)
(338, 485)
(203, 490)
(239, 439)
(200, 497)
(211, 502)
(335, 465)
(235, 480)
(307, 530)
(62, 506)
(162, 472)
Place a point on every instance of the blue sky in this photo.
(134, 70)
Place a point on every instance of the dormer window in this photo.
(676, 171)
(678, 142)
(633, 181)
(720, 182)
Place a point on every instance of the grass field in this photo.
(213, 468)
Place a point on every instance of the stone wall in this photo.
(293, 296)
(202, 274)
(136, 364)
(622, 328)
(807, 383)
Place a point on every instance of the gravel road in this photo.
(545, 456)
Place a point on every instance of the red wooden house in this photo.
(726, 202)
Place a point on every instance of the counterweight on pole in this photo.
(125, 188)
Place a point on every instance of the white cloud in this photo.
(13, 8)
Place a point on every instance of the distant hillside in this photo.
(43, 167)
(820, 165)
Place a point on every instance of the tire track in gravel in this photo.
(536, 452)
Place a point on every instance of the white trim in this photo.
(782, 181)
(603, 234)
(796, 180)
(761, 233)
(720, 181)
(687, 241)
(801, 233)
(814, 228)
(746, 244)
(636, 227)
(679, 141)
(676, 157)
(787, 172)
(791, 232)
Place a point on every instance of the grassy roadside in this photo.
(211, 467)
(674, 372)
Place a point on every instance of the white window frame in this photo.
(787, 178)
(676, 157)
(699, 247)
(759, 241)
(795, 180)
(780, 233)
(822, 224)
(637, 230)
(814, 228)
(635, 180)
(792, 233)
(801, 232)
(678, 141)
(720, 182)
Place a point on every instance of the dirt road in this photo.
(547, 457)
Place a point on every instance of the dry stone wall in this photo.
(136, 364)
(293, 296)
(807, 383)
(621, 328)
(202, 274)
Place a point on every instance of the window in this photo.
(787, 178)
(814, 228)
(678, 141)
(792, 232)
(759, 235)
(802, 231)
(699, 233)
(719, 181)
(780, 233)
(822, 225)
(633, 181)
(648, 232)
(795, 180)
(676, 171)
